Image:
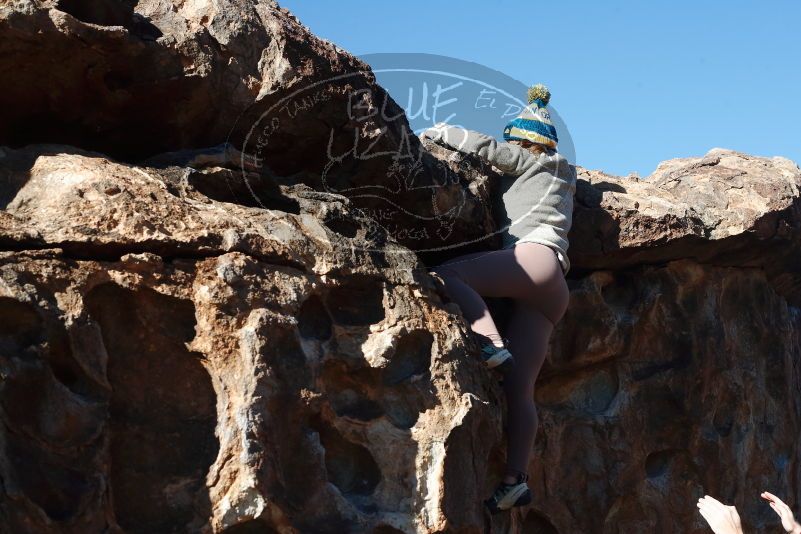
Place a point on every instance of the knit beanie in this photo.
(534, 123)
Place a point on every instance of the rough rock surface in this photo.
(193, 348)
(136, 78)
(161, 76)
(725, 208)
(265, 373)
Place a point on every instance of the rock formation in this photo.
(189, 346)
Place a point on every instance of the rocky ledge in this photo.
(194, 344)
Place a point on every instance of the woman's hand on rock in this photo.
(435, 132)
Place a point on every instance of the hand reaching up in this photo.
(435, 133)
(722, 519)
(783, 511)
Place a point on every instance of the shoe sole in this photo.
(524, 499)
(497, 359)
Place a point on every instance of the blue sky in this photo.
(635, 82)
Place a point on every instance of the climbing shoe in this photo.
(496, 357)
(507, 496)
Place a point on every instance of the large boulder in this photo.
(135, 79)
(193, 346)
(726, 208)
(177, 362)
(175, 359)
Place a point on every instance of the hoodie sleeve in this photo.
(509, 158)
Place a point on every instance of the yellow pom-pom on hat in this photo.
(539, 92)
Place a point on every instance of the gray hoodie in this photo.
(537, 190)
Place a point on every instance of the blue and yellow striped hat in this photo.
(534, 123)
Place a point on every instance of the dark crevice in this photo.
(352, 392)
(20, 324)
(253, 526)
(73, 359)
(100, 12)
(341, 226)
(737, 250)
(657, 463)
(49, 432)
(412, 357)
(161, 426)
(536, 522)
(359, 301)
(255, 190)
(350, 466)
(59, 488)
(111, 13)
(349, 392)
(313, 319)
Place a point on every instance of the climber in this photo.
(530, 268)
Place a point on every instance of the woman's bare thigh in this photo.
(528, 272)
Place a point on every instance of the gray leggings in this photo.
(529, 273)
